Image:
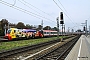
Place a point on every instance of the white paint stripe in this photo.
(79, 50)
(40, 51)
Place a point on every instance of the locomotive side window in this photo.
(14, 31)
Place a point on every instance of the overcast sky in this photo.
(34, 11)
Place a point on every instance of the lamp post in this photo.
(86, 27)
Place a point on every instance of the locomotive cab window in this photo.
(8, 31)
(14, 31)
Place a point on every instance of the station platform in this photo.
(81, 50)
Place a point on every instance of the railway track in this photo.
(26, 48)
(8, 53)
(6, 40)
(59, 53)
(3, 40)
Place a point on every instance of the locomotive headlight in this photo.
(7, 35)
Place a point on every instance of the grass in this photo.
(15, 44)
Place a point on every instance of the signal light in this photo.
(61, 16)
(84, 28)
(61, 22)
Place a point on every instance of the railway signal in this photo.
(84, 28)
(61, 18)
(61, 22)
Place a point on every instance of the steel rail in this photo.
(6, 40)
(60, 54)
(66, 51)
(5, 54)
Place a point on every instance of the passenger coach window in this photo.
(44, 32)
(48, 32)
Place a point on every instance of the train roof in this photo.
(49, 31)
(29, 30)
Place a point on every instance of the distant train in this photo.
(14, 33)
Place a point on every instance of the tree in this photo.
(39, 27)
(79, 30)
(55, 28)
(3, 22)
(20, 25)
(0, 24)
(28, 26)
(11, 25)
(47, 28)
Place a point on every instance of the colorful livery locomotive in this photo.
(14, 33)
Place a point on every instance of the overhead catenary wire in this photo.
(34, 10)
(14, 2)
(64, 12)
(18, 8)
(8, 18)
(12, 18)
(28, 6)
(23, 10)
(37, 8)
(67, 15)
(58, 5)
(65, 9)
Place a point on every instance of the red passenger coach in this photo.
(48, 33)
